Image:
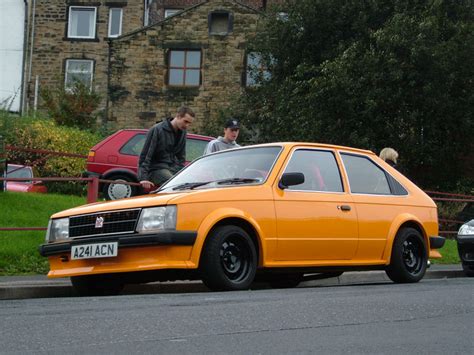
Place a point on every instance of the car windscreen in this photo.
(194, 147)
(230, 167)
(19, 172)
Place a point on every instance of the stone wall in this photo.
(158, 6)
(139, 94)
(51, 47)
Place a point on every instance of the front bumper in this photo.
(466, 249)
(169, 238)
(437, 242)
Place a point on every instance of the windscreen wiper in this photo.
(237, 181)
(191, 185)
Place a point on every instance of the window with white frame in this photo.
(256, 69)
(184, 68)
(78, 70)
(171, 12)
(82, 22)
(115, 21)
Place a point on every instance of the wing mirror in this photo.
(290, 179)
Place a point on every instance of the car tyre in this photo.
(468, 270)
(97, 285)
(409, 257)
(229, 260)
(118, 191)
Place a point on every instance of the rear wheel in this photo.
(229, 260)
(97, 285)
(409, 257)
(118, 191)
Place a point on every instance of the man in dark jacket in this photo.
(163, 154)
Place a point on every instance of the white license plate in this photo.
(97, 250)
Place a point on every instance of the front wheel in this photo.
(409, 257)
(229, 260)
(97, 285)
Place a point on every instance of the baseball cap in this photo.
(232, 123)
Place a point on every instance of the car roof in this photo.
(314, 145)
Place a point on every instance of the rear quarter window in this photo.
(195, 148)
(134, 145)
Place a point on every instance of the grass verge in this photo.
(19, 250)
(449, 252)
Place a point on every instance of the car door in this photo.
(379, 199)
(316, 220)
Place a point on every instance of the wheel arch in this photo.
(404, 221)
(231, 217)
(110, 173)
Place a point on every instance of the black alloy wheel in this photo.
(409, 257)
(229, 260)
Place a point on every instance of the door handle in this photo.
(344, 208)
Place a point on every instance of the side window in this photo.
(135, 145)
(320, 170)
(256, 70)
(115, 21)
(78, 70)
(365, 177)
(195, 148)
(184, 68)
(82, 22)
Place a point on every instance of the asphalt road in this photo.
(431, 317)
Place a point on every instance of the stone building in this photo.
(68, 40)
(111, 46)
(196, 57)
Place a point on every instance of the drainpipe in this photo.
(23, 64)
(32, 39)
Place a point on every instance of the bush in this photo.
(44, 134)
(74, 106)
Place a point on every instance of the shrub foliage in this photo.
(74, 106)
(371, 74)
(45, 134)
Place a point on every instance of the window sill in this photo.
(74, 39)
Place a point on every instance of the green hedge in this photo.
(45, 134)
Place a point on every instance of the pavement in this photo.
(40, 286)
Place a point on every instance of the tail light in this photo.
(91, 155)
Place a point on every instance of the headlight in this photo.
(57, 229)
(466, 229)
(157, 219)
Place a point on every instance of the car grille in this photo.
(115, 222)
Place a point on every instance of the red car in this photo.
(116, 158)
(23, 171)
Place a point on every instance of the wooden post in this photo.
(92, 189)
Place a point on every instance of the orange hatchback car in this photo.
(278, 213)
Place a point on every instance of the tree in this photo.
(371, 74)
